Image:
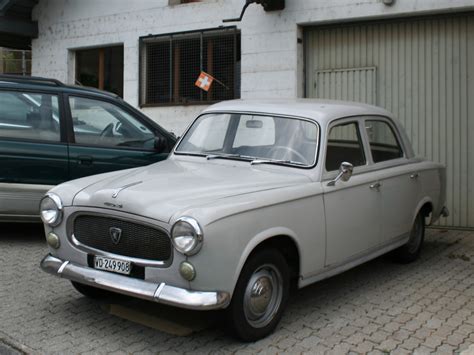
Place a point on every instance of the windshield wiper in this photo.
(228, 156)
(276, 161)
(191, 154)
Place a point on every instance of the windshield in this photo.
(257, 138)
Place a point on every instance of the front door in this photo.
(106, 138)
(33, 155)
(352, 207)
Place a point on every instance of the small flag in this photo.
(204, 81)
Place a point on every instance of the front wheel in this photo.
(260, 295)
(411, 250)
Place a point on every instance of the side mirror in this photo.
(345, 173)
(160, 144)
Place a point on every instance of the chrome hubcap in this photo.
(415, 235)
(263, 296)
(260, 295)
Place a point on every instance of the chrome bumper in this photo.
(160, 292)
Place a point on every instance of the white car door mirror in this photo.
(345, 173)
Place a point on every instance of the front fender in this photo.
(229, 241)
(260, 238)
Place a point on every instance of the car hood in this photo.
(163, 189)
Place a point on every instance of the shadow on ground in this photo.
(21, 232)
(379, 293)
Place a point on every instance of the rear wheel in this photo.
(93, 292)
(411, 250)
(260, 296)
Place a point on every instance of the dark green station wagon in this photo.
(51, 133)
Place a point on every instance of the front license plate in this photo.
(113, 265)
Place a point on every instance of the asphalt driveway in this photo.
(379, 307)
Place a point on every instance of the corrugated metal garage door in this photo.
(423, 71)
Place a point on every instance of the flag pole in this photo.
(220, 82)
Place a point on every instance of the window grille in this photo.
(171, 64)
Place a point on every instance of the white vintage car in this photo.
(255, 195)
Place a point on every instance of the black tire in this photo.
(265, 270)
(411, 250)
(93, 292)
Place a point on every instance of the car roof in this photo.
(50, 85)
(322, 111)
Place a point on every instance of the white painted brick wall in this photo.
(272, 63)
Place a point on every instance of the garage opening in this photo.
(422, 70)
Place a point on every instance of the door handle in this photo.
(414, 176)
(84, 160)
(375, 186)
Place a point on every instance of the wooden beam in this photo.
(14, 42)
(101, 68)
(176, 72)
(16, 27)
(2, 66)
(210, 65)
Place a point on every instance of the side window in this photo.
(27, 115)
(255, 131)
(383, 142)
(101, 123)
(344, 144)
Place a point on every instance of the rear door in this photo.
(106, 137)
(353, 225)
(33, 151)
(400, 187)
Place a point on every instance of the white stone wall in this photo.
(272, 59)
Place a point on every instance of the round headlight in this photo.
(51, 209)
(187, 236)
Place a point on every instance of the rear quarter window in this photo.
(384, 144)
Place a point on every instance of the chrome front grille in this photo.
(122, 237)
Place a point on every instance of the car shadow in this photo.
(375, 278)
(22, 232)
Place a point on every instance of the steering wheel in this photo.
(108, 131)
(287, 150)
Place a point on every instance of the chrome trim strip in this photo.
(157, 292)
(363, 169)
(139, 262)
(63, 266)
(120, 189)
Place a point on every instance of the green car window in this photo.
(26, 115)
(100, 123)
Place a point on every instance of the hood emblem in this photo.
(115, 234)
(120, 189)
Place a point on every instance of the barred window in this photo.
(171, 64)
